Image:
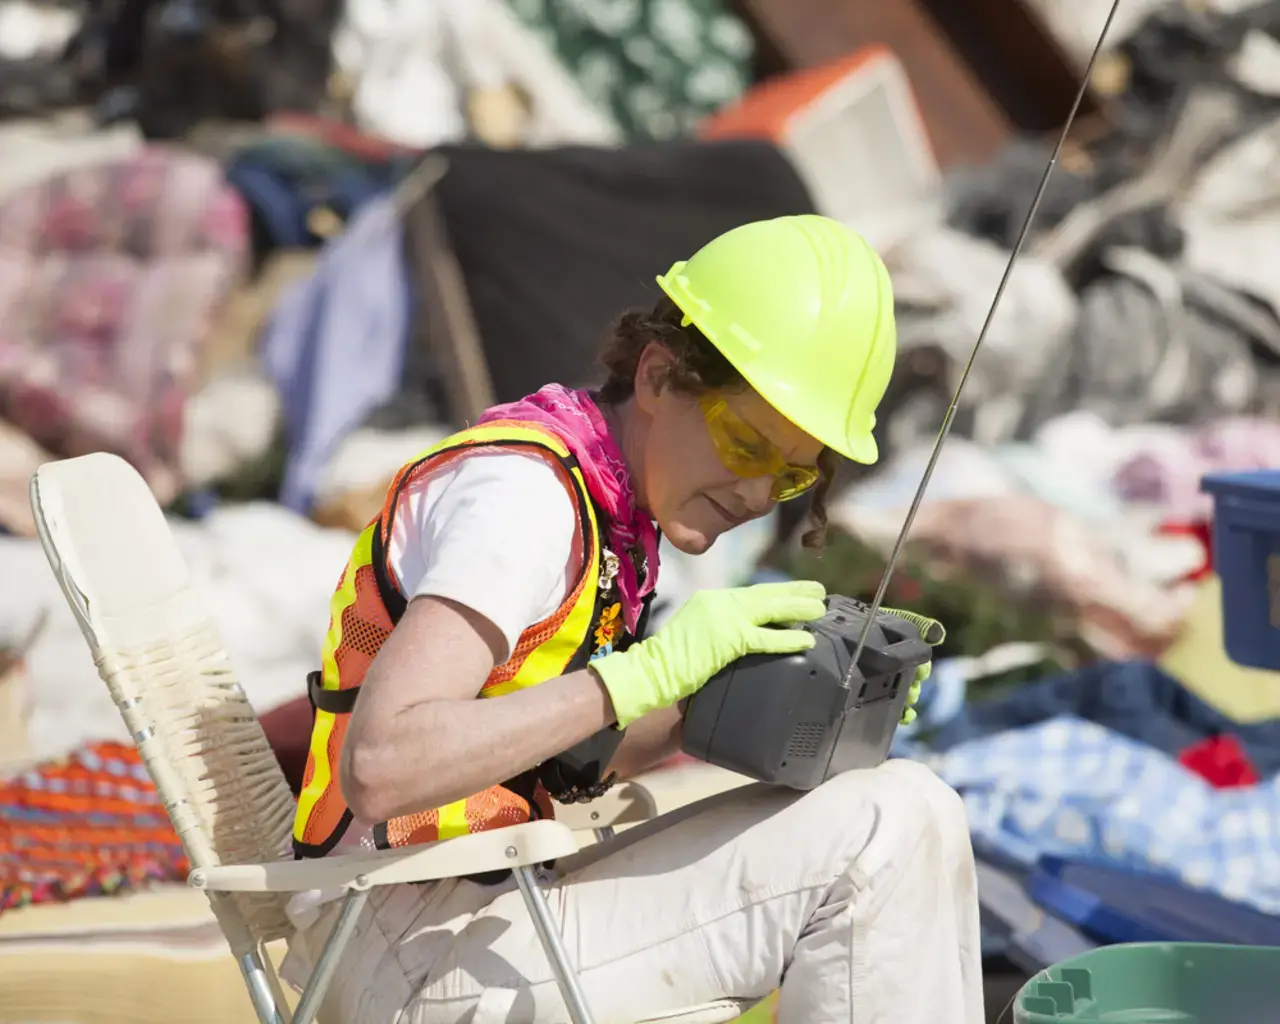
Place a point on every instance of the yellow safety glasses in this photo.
(749, 454)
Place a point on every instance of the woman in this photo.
(515, 563)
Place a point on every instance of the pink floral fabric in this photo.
(110, 278)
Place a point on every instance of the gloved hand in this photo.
(932, 633)
(711, 629)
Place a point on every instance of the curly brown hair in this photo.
(697, 367)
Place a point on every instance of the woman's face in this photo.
(683, 480)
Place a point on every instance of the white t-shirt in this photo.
(495, 531)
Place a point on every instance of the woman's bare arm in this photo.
(419, 738)
(649, 741)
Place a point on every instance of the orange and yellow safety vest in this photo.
(365, 608)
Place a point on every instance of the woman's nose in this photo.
(755, 494)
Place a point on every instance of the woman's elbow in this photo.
(380, 781)
(366, 788)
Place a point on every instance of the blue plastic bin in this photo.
(1246, 556)
(1112, 904)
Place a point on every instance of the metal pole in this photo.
(322, 974)
(536, 900)
(260, 993)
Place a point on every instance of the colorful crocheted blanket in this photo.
(90, 824)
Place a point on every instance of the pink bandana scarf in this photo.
(576, 419)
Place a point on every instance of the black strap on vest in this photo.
(335, 702)
(642, 620)
(392, 599)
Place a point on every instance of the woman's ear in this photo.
(651, 376)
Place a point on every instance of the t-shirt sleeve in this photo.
(498, 534)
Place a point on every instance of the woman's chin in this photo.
(690, 540)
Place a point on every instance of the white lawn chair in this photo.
(160, 655)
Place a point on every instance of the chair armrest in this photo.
(649, 795)
(627, 803)
(674, 785)
(511, 847)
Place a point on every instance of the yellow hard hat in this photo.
(803, 308)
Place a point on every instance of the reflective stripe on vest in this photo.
(364, 610)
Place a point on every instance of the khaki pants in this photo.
(858, 898)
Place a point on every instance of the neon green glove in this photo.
(711, 629)
(932, 633)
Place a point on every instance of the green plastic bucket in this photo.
(1157, 983)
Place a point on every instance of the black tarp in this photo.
(554, 244)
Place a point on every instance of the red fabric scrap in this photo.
(1221, 761)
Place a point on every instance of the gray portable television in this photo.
(796, 720)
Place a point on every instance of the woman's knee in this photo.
(907, 791)
(945, 801)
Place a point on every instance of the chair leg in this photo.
(259, 978)
(261, 991)
(273, 978)
(322, 973)
(536, 900)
